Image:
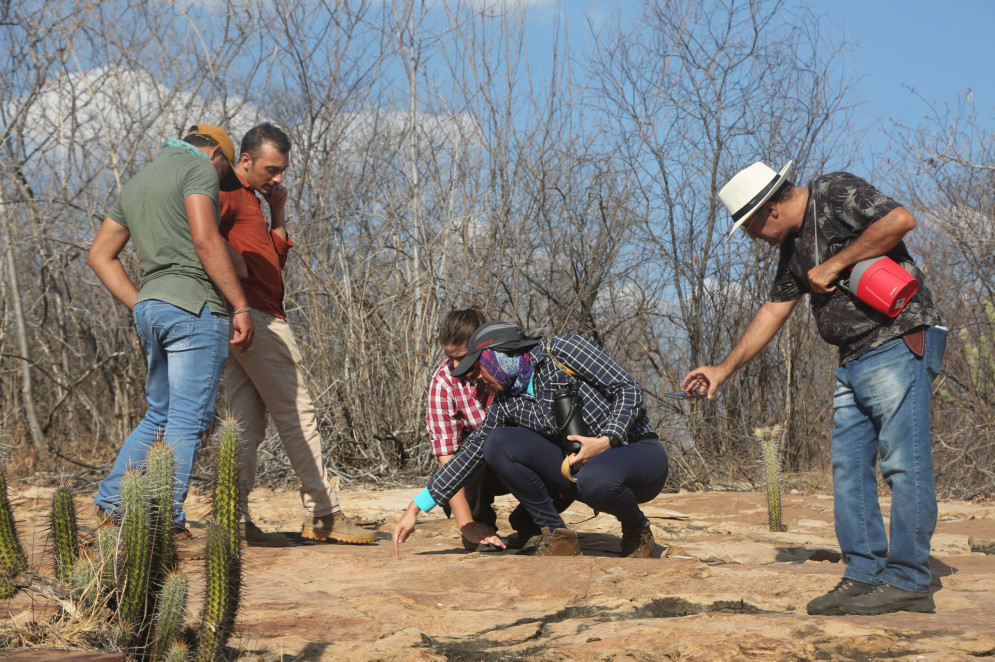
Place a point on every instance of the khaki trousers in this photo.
(268, 377)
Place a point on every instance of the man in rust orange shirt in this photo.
(268, 376)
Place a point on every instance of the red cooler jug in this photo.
(883, 284)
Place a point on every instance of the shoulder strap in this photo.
(560, 365)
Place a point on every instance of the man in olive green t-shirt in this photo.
(169, 211)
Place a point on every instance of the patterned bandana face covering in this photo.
(511, 372)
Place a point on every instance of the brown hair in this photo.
(458, 325)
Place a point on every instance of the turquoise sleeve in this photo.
(424, 501)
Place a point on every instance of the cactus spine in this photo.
(171, 607)
(12, 558)
(136, 540)
(64, 534)
(770, 445)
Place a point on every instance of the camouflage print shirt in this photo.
(840, 207)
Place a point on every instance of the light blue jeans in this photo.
(185, 355)
(881, 406)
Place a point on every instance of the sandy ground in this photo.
(720, 587)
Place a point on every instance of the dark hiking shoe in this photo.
(523, 541)
(887, 599)
(829, 604)
(637, 543)
(558, 542)
(256, 537)
(336, 527)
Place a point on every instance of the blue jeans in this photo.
(881, 406)
(185, 354)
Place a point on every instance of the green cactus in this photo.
(137, 543)
(64, 534)
(7, 589)
(12, 558)
(107, 558)
(160, 472)
(226, 511)
(178, 652)
(770, 443)
(84, 582)
(171, 607)
(214, 626)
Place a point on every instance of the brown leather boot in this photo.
(558, 542)
(637, 543)
(256, 537)
(336, 527)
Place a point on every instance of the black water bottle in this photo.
(569, 417)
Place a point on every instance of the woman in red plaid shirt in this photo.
(456, 407)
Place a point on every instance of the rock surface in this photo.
(721, 587)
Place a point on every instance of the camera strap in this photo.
(560, 365)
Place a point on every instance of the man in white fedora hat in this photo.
(884, 382)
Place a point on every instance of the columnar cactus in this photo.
(214, 625)
(171, 607)
(124, 571)
(64, 534)
(137, 544)
(160, 472)
(226, 512)
(770, 443)
(107, 558)
(12, 558)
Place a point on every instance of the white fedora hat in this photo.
(749, 189)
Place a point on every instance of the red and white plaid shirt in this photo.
(456, 407)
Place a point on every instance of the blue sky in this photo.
(939, 48)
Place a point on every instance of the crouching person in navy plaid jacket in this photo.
(613, 472)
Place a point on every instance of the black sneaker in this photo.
(829, 604)
(887, 599)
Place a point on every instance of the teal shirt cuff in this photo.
(424, 501)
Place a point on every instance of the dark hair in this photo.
(458, 325)
(199, 141)
(264, 133)
(783, 192)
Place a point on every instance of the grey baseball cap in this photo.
(503, 336)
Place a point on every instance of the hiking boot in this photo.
(336, 527)
(558, 542)
(256, 537)
(523, 541)
(886, 599)
(188, 548)
(637, 543)
(829, 604)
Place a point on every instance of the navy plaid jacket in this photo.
(611, 398)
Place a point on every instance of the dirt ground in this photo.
(720, 587)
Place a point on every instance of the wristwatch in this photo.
(613, 441)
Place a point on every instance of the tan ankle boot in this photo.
(558, 542)
(336, 527)
(256, 537)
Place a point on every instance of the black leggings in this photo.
(615, 482)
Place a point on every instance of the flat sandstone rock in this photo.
(720, 587)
